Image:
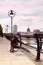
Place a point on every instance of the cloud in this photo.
(28, 13)
(31, 7)
(23, 22)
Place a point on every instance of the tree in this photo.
(1, 31)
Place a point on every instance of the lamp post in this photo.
(6, 30)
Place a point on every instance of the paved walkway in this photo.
(17, 58)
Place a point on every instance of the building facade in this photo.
(14, 29)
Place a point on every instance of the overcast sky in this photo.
(29, 13)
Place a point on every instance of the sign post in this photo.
(11, 14)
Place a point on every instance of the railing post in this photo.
(38, 48)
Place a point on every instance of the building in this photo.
(14, 29)
(28, 29)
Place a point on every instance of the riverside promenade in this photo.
(21, 57)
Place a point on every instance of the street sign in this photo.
(11, 13)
